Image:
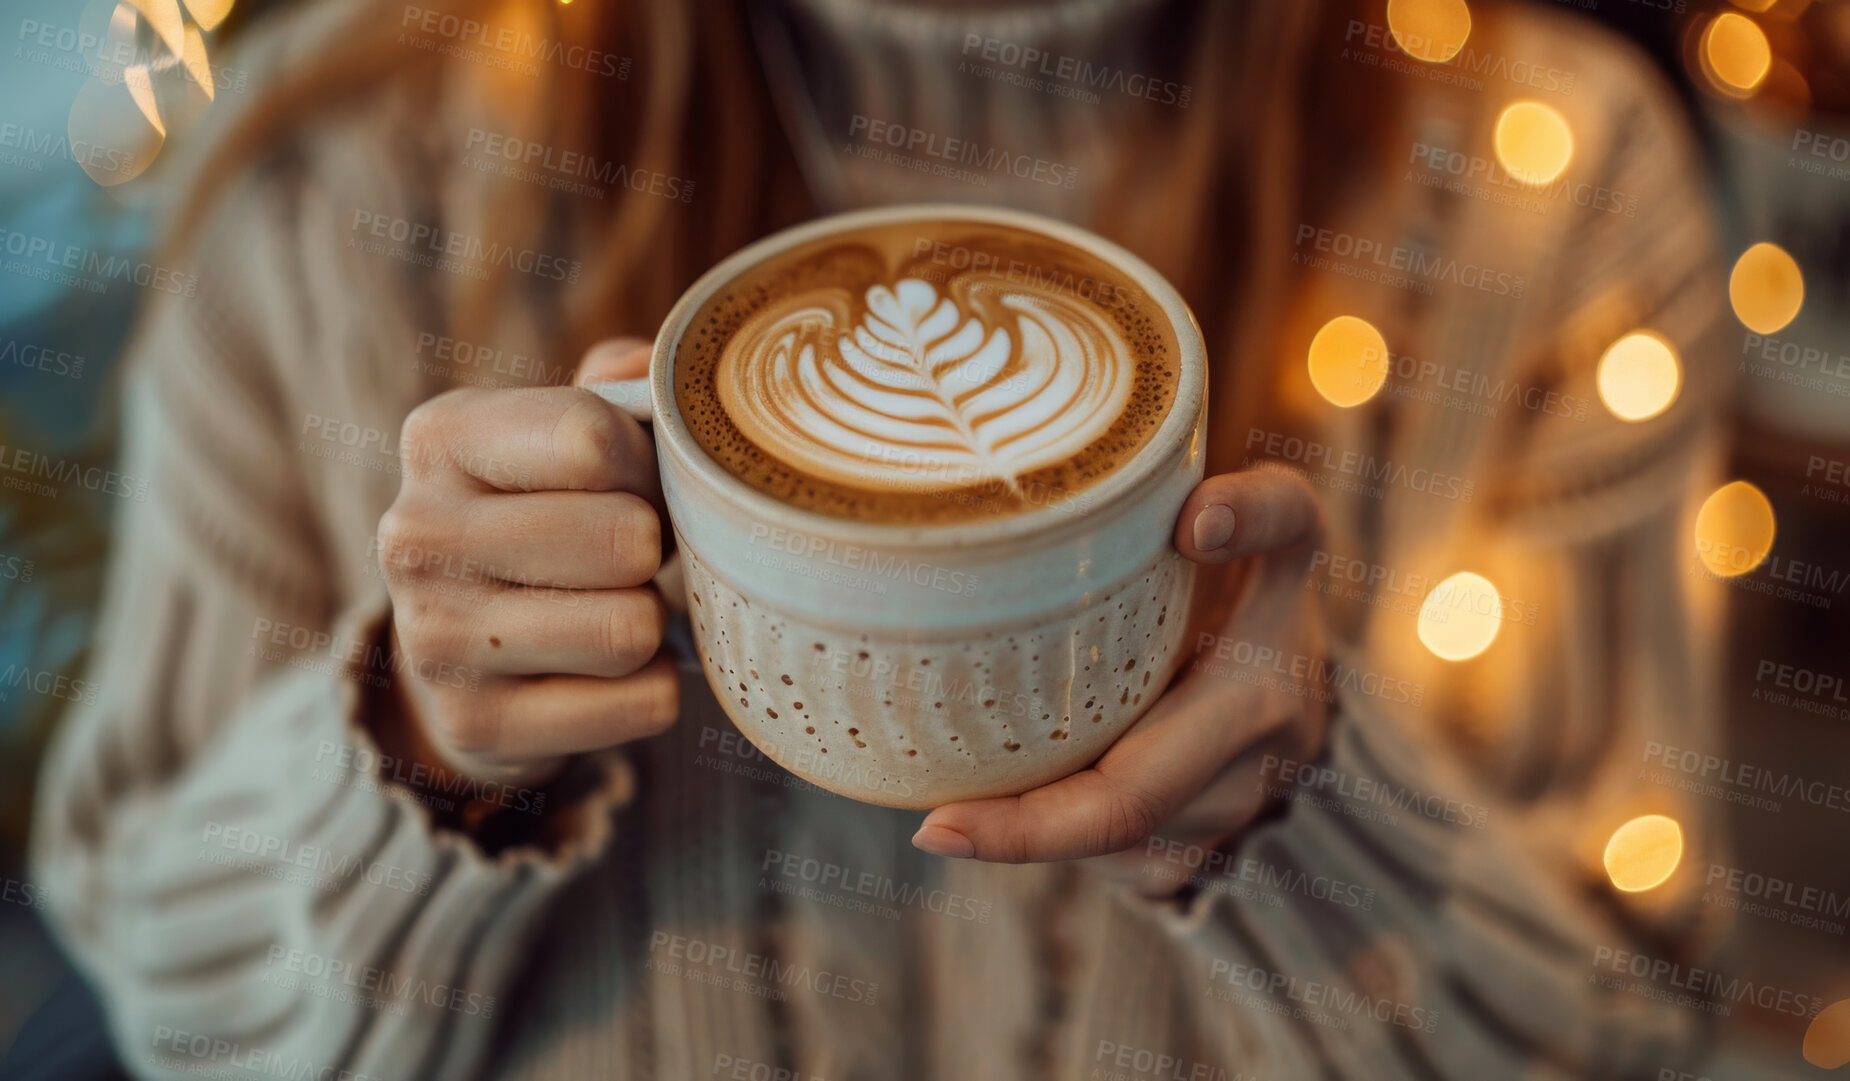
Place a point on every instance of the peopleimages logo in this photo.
(483, 364)
(1254, 879)
(86, 268)
(1033, 275)
(422, 777)
(536, 162)
(1065, 76)
(384, 987)
(1296, 673)
(28, 470)
(1802, 689)
(1470, 168)
(512, 43)
(1365, 468)
(41, 358)
(931, 145)
(730, 753)
(1354, 791)
(1127, 1062)
(736, 969)
(57, 144)
(1713, 986)
(107, 58)
(434, 246)
(1775, 898)
(842, 886)
(323, 867)
(1397, 259)
(213, 1055)
(1322, 996)
(1472, 392)
(862, 562)
(1468, 60)
(1744, 778)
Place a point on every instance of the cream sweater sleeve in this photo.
(247, 896)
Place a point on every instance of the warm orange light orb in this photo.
(1429, 30)
(1639, 376)
(1735, 53)
(1348, 361)
(1460, 617)
(1766, 288)
(1734, 529)
(1644, 852)
(1533, 142)
(1827, 1038)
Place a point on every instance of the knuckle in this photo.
(428, 635)
(659, 705)
(411, 622)
(402, 543)
(634, 539)
(635, 627)
(427, 431)
(588, 437)
(1129, 819)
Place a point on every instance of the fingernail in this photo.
(943, 842)
(1213, 527)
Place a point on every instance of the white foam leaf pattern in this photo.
(925, 390)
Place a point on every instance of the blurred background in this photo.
(1766, 84)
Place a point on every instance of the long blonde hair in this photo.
(1234, 165)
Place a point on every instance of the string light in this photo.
(1644, 852)
(130, 107)
(1533, 142)
(1766, 288)
(1734, 529)
(1429, 30)
(1348, 360)
(1735, 54)
(1639, 376)
(1827, 1038)
(1460, 617)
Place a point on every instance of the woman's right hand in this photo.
(519, 553)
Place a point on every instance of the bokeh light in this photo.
(1533, 142)
(1348, 360)
(1735, 53)
(1766, 288)
(1734, 529)
(1639, 376)
(1429, 30)
(1644, 852)
(1460, 617)
(1827, 1038)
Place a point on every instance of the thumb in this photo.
(1253, 512)
(613, 358)
(1268, 515)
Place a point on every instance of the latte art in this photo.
(929, 371)
(915, 388)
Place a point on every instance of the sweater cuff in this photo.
(568, 818)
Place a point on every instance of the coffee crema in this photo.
(927, 372)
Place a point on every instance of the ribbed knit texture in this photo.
(963, 971)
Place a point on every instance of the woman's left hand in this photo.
(1187, 777)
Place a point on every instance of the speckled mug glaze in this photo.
(915, 665)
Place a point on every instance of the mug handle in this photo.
(633, 397)
(630, 395)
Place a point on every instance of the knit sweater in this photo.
(255, 894)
